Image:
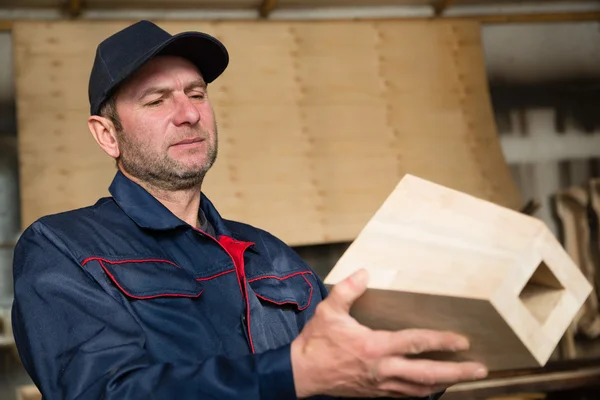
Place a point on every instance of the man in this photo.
(150, 294)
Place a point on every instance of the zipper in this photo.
(241, 275)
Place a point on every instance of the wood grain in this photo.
(318, 121)
(442, 259)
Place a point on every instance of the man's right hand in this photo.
(335, 355)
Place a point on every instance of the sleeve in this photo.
(77, 342)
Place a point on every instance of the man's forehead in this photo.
(163, 70)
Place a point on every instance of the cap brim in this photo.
(207, 53)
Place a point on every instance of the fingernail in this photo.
(480, 373)
(461, 344)
(363, 275)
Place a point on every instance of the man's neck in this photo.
(183, 203)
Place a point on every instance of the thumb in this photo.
(345, 292)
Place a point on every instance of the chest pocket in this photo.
(172, 308)
(279, 308)
(293, 291)
(148, 279)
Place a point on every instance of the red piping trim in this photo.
(145, 297)
(240, 247)
(215, 276)
(127, 261)
(280, 278)
(150, 260)
(226, 251)
(280, 303)
(241, 276)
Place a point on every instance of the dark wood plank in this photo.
(555, 376)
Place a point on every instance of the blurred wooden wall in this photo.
(318, 120)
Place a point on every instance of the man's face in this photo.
(169, 136)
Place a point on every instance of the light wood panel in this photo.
(441, 259)
(318, 120)
(28, 392)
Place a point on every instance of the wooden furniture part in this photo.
(318, 120)
(556, 376)
(442, 259)
(593, 274)
(568, 222)
(571, 205)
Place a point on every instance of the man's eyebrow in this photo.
(153, 90)
(198, 83)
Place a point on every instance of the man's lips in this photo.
(189, 141)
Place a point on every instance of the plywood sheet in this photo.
(318, 121)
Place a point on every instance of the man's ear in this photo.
(103, 130)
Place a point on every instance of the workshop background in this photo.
(325, 105)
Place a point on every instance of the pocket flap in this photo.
(147, 279)
(294, 289)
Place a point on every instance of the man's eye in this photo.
(197, 96)
(154, 103)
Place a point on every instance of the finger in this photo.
(429, 372)
(417, 341)
(345, 293)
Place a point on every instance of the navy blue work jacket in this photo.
(123, 300)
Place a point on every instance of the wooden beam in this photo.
(6, 25)
(74, 8)
(442, 6)
(547, 17)
(552, 147)
(267, 6)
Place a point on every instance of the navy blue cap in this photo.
(123, 53)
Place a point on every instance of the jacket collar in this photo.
(149, 213)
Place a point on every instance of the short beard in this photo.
(163, 173)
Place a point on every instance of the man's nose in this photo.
(185, 111)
